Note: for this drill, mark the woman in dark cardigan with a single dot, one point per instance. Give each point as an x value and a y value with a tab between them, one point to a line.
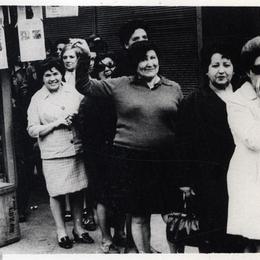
206	145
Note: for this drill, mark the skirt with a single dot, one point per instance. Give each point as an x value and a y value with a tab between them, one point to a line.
64	175
143	182
98	175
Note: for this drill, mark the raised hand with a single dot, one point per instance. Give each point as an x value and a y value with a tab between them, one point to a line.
81	44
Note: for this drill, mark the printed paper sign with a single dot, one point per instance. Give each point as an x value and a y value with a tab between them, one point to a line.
3	56
61	11
31	40
36	12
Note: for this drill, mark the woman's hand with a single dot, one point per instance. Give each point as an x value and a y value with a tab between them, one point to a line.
81	44
65	121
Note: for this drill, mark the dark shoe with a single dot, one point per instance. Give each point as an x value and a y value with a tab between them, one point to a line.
154	251
119	240
89	223
67	216
65	242
85	238
109	248
22	217
130	250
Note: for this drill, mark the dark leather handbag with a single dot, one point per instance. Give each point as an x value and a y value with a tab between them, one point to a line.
183	227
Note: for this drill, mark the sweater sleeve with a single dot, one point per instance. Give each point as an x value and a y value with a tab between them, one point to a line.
91	87
244	125
185	140
34	125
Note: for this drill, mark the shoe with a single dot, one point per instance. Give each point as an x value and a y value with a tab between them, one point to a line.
154	251
120	240
85	238
89	223
65	242
67	216
109	248
22	217
130	250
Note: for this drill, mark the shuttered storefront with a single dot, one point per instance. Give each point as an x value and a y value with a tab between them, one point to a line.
80	26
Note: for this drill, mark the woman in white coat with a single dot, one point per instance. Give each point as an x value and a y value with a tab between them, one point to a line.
244	169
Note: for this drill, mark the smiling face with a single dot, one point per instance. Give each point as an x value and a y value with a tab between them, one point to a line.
70	59
138	35
108	66
148	68
52	79
220	71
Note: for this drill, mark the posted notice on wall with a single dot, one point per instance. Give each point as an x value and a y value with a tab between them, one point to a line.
61	11
3	56
31	40
35	12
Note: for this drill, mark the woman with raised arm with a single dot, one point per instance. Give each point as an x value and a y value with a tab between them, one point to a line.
142	156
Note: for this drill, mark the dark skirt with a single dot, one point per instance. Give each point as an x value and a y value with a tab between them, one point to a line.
142	182
98	165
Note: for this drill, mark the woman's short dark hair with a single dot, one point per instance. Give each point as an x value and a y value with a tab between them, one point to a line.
96	44
228	51
48	64
61	40
250	51
137	52
129	28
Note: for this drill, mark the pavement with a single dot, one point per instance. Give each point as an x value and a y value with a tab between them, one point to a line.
38	235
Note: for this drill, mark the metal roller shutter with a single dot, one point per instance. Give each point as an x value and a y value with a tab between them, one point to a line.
74	27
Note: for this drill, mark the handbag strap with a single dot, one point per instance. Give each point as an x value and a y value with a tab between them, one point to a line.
184	202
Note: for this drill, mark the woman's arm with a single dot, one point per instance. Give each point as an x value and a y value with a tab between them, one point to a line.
35	128
84	85
244	125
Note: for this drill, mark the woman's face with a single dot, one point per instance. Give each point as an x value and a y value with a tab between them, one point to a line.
220	71
70	60
254	74
108	67
59	48
52	79
93	56
149	67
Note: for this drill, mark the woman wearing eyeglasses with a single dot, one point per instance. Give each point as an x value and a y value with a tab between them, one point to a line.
244	168
98	121
105	66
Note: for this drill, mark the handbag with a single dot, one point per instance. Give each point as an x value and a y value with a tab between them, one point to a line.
183	227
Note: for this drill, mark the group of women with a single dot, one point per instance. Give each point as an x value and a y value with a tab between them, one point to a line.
162	145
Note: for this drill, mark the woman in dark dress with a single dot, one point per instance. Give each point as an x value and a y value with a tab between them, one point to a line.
141	158
206	145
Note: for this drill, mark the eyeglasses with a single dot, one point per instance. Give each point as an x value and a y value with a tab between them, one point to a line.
101	66
256	69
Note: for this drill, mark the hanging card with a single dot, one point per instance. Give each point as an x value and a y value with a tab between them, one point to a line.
31	40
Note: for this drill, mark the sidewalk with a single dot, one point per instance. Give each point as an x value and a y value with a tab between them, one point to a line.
38	236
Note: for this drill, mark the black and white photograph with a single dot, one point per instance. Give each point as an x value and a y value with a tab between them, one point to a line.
130	129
